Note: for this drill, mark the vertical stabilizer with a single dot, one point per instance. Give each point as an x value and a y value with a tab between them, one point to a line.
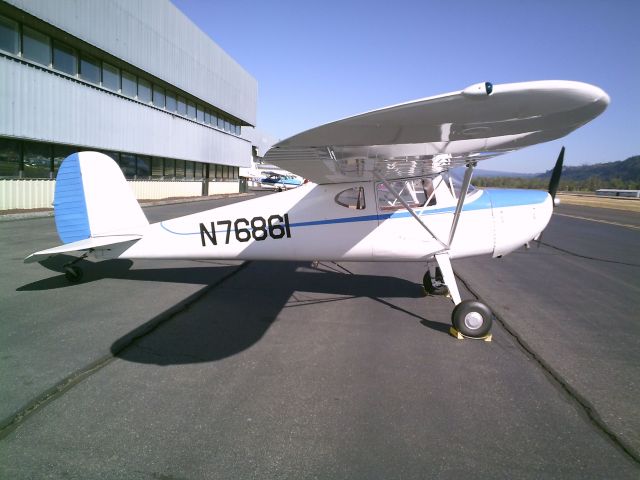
92	199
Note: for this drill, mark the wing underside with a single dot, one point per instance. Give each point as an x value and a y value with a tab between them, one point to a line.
432	135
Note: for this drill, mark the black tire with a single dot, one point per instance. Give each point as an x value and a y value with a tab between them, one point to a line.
472	318
73	273
430	288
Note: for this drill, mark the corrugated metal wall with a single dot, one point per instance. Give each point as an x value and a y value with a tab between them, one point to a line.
45	106
159	39
26	194
30	194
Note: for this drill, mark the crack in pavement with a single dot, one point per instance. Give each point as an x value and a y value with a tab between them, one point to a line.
556	378
10	423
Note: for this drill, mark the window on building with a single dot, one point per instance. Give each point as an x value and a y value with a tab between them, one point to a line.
191	109
182	106
9	37
220	122
207	116
110	77
169	168
60	152
37	160
157	168
64	58
226	125
128	165
158	96
200	113
171	101
198	171
129	84
9	158
218	173
180	169
115	156
90	69
143	166
144	90
214	119
189	170
36	46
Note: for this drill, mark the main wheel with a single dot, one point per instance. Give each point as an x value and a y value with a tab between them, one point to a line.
433	289
73	273
472	318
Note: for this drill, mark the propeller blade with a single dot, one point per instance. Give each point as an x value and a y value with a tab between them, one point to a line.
554	182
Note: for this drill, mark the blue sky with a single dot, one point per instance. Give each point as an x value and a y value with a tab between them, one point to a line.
318	61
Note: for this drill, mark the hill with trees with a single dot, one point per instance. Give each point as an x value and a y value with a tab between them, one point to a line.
624	174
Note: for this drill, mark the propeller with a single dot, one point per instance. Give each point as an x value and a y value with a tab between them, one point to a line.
554	182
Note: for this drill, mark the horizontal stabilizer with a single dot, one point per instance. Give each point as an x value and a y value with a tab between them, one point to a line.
82	245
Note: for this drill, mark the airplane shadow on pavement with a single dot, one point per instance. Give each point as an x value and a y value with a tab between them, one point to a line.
228	317
118	269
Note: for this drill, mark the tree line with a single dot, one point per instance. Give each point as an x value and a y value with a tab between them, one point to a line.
590	184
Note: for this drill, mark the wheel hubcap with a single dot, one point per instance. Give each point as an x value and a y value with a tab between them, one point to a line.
473	320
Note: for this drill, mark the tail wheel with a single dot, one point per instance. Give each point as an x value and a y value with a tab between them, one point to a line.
73	273
472	318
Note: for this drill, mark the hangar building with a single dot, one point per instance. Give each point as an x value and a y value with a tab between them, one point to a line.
134	79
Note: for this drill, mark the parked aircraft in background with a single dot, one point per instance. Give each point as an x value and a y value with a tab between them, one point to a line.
280	182
381	191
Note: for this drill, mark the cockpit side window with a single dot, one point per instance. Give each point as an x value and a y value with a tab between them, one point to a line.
352	198
416	192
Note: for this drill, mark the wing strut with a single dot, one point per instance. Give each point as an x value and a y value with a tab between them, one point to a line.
463	194
409	209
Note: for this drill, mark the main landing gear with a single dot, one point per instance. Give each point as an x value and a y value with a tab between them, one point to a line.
470	318
434	285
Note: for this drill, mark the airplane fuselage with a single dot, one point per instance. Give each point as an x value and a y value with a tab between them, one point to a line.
314	222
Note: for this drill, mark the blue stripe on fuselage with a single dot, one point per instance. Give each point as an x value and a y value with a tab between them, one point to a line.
514	198
487	199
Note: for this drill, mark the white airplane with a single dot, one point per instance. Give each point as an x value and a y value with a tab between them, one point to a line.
380	190
279	181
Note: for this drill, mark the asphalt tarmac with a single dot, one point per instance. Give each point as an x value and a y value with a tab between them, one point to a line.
185	370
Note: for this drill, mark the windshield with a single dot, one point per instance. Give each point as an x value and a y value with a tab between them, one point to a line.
453	180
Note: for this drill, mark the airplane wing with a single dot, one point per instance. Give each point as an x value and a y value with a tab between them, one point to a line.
428	136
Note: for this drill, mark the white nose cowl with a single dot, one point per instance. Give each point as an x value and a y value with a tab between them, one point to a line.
519	216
